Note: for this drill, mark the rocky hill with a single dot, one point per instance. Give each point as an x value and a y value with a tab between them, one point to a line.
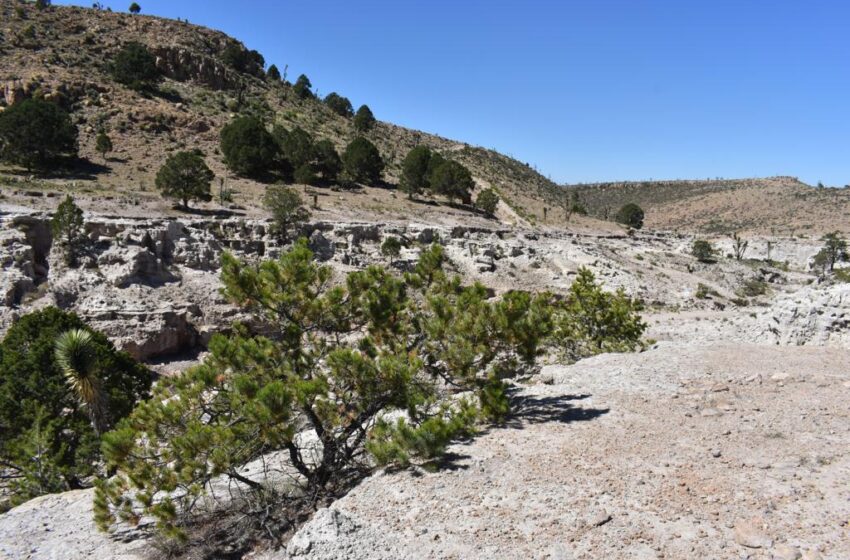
63	54
774	205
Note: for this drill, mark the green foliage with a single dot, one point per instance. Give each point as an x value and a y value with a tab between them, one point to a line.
36	133
67	226
414	171
303	87
739	246
249	149
703	251
287	209
103	144
630	215
305	175
364	120
273	73
328	162
135	8
391	248
487	201
185	176
362	161
47	441
242	60
452	180
752	287
343	360
593	320
834	250
705	292
135	67
339	105
296	146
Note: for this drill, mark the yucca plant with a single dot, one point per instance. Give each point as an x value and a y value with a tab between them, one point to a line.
76	357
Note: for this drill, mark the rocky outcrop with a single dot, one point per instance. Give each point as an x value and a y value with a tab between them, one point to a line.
183	65
818	314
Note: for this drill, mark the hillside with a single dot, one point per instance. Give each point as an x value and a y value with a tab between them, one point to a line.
63	53
775	205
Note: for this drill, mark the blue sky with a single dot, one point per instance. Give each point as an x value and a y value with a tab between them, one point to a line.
586	90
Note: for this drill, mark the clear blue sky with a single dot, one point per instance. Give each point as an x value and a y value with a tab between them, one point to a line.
585	90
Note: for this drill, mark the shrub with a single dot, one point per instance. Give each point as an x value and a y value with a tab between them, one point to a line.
67	226
343	357
185	176
302	87
452	180
364	120
703	250
47	440
414	171
36	133
328	162
739	246
242	60
752	287
591	320
135	8
362	162
135	67
249	150
630	215
487	201
287	209
339	105
103	144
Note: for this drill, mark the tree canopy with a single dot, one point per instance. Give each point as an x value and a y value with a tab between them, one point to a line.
339	105
362	161
249	149
47	440
487	201
135	67
185	176
414	171
630	215
36	133
452	180
303	87
364	120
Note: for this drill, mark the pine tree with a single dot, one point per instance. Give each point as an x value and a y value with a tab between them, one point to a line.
414	171
249	149
487	201
68	228
103	144
452	180
36	134
364	120
273	73
302	87
287	210
362	162
185	176
135	67
135	8
328	162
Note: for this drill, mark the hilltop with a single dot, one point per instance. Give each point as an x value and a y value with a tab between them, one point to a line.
63	54
773	205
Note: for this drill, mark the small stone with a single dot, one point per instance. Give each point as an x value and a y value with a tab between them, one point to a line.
786	552
750	534
599	519
715	453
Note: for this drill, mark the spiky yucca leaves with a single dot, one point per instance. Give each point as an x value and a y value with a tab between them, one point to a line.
76	357
342	358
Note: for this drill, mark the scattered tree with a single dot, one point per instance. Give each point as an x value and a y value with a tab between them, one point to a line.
703	250
297	147
391	248
339	105
362	161
364	120
135	67
630	215
834	250
47	440
414	171
273	73
103	144
185	176
739	246
305	175
68	229
135	8
249	149
302	87
36	133
287	210
242	60
487	201
452	180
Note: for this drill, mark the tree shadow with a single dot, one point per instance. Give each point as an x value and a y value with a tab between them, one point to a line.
217	213
528	409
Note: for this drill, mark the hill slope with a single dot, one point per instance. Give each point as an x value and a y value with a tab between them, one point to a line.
62	53
775	205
